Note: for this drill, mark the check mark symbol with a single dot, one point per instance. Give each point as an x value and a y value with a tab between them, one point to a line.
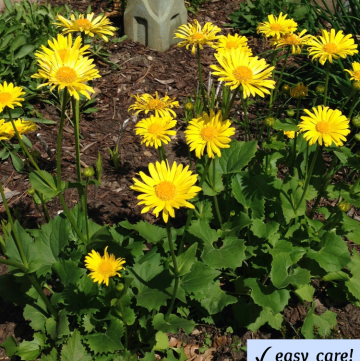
263	355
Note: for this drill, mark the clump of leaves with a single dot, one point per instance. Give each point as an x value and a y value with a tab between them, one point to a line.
250	13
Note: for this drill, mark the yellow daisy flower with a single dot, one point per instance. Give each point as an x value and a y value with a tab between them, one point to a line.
155	131
325	125
209	131
296	41
72	73
239	68
194	35
289	133
102	268
226	43
277	26
331	46
10	95
166	188
62	44
161	106
100	26
23	126
355	72
299	91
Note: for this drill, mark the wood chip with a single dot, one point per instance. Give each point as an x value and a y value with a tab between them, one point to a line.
165	81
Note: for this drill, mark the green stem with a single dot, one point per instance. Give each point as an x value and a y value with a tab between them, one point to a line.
295	138
41	293
190	159
324	186
190	211
354	101
86	210
326	82
14	264
16	236
59	140
163	152
282	72
159	154
201	80
38	209
176	271
215	196
228	109
46	212
355	185
125	324
307	181
267	151
22	145
273	57
247	129
347	100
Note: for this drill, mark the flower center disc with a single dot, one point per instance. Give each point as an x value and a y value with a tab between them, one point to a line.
231	45
291	40
276	27
105	268
330	48
62	53
5	97
208	133
83	23
155	104
198	36
242	73
66	75
323	127
165	191
154	128
357	75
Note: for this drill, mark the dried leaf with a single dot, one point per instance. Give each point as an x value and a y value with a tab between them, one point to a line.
191	351
174	342
165	81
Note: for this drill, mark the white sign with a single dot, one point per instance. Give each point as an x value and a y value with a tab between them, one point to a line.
303	350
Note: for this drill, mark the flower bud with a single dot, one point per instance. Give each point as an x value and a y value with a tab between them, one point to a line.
357	137
286	88
344	206
89	172
120	286
31	191
232	213
189	106
301	183
356	121
356	85
320	89
290	113
269	121
357	154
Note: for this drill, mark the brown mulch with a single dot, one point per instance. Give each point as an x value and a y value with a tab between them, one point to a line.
142	70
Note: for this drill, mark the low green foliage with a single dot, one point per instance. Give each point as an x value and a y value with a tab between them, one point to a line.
251	13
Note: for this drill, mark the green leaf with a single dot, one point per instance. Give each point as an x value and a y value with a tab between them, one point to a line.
333	255
353	284
58	328
186	260
202	230
68	271
25	50
10	345
285	125
268	296
44	183
152	233
74	349
17	162
161	342
50	240
235	158
108	341
149	356
306	292
172	324
264	230
30	350
37	316
8	5
267	316
52	356
18	41
248	194
215	299
233	227
199	277
151	281
203	210
290	197
324	323
230	255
